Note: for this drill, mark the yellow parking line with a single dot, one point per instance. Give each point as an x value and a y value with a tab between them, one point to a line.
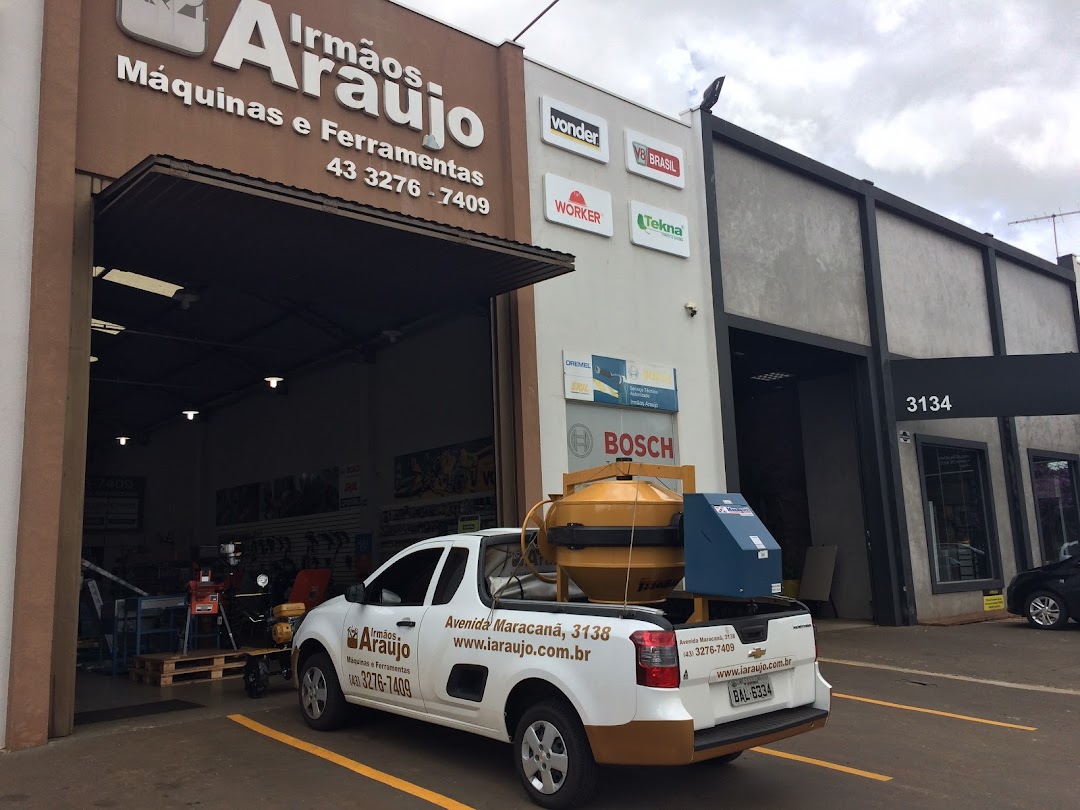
832	766
934	711
351	765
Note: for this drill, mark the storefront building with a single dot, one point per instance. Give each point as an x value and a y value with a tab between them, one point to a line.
325	282
273	299
822	285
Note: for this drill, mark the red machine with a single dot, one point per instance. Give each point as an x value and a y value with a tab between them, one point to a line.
204	599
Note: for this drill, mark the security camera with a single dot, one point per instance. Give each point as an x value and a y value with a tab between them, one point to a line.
691	308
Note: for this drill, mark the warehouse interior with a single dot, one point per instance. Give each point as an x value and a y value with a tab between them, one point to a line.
313	388
799	463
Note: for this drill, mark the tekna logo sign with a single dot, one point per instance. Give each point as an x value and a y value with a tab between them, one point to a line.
577	205
658	229
253	37
575	130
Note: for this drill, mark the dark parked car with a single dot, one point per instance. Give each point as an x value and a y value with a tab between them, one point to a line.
1047	596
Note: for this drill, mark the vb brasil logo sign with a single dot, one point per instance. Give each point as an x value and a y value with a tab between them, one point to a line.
655	159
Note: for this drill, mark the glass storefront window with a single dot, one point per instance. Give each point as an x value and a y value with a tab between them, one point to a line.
961	533
1053	482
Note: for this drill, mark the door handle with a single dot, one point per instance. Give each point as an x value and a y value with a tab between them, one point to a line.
406	623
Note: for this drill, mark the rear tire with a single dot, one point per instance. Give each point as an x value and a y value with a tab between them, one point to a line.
552	756
1046	610
321	702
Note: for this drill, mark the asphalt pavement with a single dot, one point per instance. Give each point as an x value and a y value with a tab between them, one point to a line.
929	717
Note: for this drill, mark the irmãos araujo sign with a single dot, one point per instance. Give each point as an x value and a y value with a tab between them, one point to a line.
352	99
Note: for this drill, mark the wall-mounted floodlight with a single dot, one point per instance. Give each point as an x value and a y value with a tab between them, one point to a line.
275	381
190	415
123	440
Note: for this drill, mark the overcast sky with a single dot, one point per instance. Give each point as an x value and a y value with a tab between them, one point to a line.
970	108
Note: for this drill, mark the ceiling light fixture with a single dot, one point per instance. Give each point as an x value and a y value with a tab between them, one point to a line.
108	328
274	381
190	415
123	440
772	376
140	282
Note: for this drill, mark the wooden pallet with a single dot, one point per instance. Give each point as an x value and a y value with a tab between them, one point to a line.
166	669
173	669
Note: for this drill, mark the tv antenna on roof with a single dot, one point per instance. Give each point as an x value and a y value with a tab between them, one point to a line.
1053	219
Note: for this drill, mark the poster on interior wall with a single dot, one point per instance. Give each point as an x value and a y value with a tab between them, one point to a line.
113	503
614	381
297	495
457	469
599	435
403	524
351	486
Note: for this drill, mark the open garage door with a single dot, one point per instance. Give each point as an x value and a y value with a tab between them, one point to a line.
311	378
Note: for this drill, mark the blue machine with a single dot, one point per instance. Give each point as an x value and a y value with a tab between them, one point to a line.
729	552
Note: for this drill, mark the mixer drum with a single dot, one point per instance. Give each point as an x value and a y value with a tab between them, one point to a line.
589	535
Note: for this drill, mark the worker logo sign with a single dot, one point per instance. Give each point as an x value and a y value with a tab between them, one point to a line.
577	205
177	25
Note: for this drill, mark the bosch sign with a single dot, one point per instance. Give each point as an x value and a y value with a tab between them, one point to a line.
639	446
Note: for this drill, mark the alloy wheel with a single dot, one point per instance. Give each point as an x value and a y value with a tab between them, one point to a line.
544	757
1045	611
314	692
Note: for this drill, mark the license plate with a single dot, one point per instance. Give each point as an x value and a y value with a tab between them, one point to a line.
749	690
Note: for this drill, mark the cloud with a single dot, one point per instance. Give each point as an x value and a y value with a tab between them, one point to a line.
960	107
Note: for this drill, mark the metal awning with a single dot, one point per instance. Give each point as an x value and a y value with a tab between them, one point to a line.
204	223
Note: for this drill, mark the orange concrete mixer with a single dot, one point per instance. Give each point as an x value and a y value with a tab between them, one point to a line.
617	536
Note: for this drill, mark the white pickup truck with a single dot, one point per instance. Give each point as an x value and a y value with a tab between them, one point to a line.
455	632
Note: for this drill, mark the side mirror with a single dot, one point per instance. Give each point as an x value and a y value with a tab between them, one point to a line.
355	593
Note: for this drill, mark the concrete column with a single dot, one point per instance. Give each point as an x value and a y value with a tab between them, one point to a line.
20	79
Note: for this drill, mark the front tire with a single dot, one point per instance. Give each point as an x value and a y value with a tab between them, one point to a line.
1046	611
553	758
321	701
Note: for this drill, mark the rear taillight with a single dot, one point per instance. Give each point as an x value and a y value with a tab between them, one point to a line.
657	658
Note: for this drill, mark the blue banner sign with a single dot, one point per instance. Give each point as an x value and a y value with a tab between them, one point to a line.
613	381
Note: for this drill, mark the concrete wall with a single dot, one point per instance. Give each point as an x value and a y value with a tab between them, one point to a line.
927	604
791	249
935	292
1037	311
1056	434
20	78
834	488
1038	315
623	300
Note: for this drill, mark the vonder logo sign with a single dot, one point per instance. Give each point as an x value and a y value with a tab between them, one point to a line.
578	131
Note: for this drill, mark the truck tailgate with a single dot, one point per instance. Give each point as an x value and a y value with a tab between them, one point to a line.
738	668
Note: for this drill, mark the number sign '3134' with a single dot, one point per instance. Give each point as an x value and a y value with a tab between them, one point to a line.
928	404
